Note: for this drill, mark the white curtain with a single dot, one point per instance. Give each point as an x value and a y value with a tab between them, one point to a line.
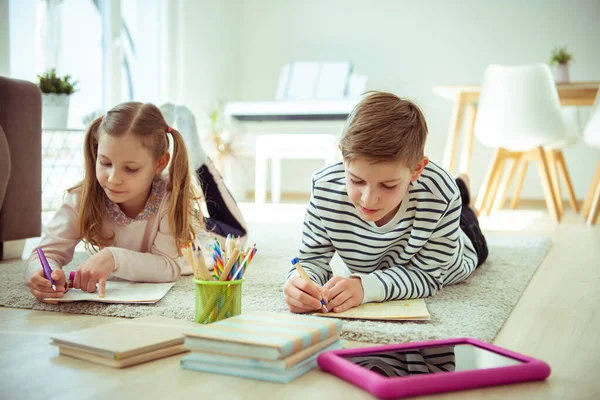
49	35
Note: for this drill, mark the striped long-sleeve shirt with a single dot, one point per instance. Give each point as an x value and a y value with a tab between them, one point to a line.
418	252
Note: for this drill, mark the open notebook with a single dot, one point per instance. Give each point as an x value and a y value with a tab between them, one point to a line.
121	292
407	310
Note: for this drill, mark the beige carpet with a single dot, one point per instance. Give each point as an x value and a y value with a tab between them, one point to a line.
477	308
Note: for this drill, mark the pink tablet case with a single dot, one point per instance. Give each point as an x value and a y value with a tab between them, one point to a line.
399	387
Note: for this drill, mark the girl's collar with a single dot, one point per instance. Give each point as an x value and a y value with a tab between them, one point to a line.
115	213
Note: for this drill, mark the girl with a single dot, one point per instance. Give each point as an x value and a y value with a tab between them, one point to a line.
134	217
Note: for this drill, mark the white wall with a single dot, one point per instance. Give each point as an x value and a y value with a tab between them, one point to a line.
208	43
4	39
405	47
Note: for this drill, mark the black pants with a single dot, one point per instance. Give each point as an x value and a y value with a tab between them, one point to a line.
220	220
470	225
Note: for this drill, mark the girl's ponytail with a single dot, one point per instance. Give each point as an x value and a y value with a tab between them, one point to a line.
185	217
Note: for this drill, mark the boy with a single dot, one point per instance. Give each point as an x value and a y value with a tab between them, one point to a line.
400	223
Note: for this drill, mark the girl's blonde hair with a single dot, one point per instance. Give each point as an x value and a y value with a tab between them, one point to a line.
383	127
146	122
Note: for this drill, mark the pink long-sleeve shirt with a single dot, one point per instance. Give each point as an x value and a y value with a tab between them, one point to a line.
144	249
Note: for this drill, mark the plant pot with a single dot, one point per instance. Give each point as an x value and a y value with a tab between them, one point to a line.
55	110
561	73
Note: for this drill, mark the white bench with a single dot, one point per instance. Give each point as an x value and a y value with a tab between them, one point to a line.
278	146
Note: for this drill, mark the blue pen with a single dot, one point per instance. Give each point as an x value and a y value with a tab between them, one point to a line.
46	267
304	275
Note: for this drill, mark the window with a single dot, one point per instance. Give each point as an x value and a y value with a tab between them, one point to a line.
80	55
71	36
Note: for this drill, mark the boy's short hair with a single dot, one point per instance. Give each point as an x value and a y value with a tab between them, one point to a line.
383	127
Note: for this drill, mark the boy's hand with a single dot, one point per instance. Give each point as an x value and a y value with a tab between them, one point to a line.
301	296
95	270
41	287
344	293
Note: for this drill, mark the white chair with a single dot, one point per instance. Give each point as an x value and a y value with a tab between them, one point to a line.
518	114
280	146
591	204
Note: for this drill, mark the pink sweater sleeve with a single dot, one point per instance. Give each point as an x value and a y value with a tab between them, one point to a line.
160	264
59	240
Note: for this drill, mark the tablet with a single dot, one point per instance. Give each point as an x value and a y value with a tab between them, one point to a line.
412	369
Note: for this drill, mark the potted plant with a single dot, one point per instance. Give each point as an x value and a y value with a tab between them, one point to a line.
560	61
56	92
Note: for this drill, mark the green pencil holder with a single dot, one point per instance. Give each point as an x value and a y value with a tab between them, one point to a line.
217	300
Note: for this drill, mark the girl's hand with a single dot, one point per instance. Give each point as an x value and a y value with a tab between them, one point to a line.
301	296
41	287
95	270
344	293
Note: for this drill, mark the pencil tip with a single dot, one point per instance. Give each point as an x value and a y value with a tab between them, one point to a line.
294	260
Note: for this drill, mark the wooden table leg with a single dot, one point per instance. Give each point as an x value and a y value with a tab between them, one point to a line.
465	156
454	133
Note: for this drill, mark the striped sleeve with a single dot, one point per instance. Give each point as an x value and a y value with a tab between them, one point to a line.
440	261
445	257
316	249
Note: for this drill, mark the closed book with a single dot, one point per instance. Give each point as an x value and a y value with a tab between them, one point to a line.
262	335
252	372
124	362
333	343
126	339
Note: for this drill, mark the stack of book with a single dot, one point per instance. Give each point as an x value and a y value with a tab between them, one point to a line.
261	345
127	342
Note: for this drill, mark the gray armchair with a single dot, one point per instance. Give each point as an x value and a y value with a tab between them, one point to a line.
20	161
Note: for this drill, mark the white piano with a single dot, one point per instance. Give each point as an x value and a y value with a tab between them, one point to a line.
290	110
312	102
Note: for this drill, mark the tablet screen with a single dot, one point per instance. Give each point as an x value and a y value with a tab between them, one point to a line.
429	360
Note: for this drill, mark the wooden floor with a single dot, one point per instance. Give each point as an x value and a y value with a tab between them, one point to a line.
556	320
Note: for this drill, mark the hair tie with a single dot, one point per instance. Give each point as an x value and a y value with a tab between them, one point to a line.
169	129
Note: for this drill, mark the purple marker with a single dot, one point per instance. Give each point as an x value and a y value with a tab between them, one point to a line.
46	267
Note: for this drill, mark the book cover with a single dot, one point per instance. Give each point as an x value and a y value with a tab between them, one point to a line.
333	343
126	338
264	374
263	335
